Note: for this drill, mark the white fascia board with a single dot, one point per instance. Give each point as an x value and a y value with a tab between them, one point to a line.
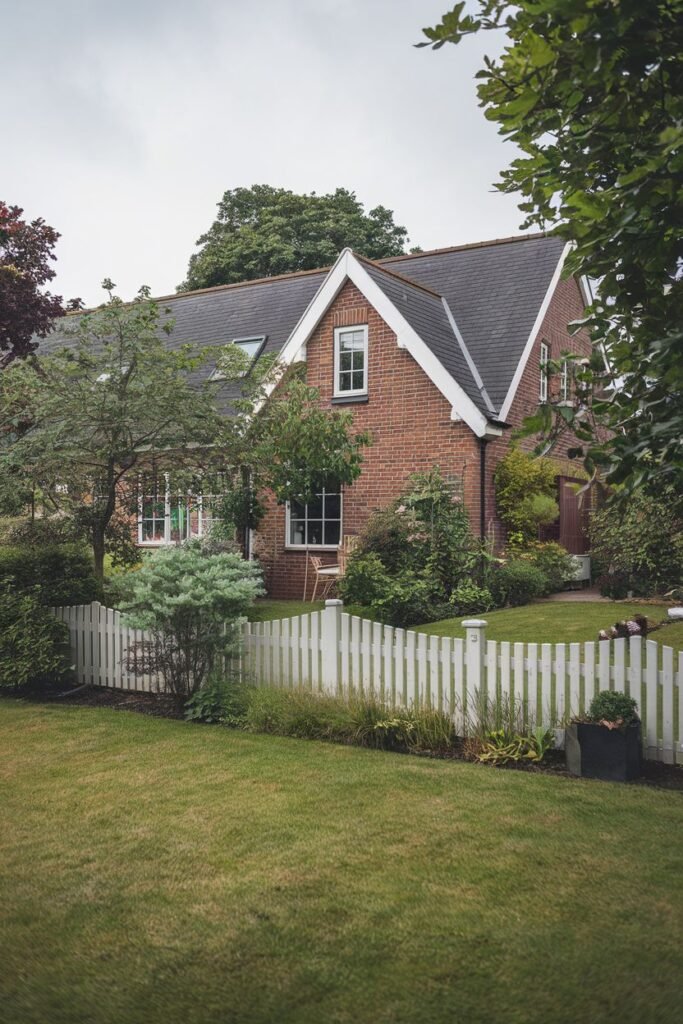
521	366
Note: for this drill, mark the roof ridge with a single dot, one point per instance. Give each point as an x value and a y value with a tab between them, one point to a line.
466	245
399	277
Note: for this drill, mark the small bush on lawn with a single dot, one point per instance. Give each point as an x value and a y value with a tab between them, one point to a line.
220	701
63	573
193	604
469	598
517	583
364	721
614	707
33	644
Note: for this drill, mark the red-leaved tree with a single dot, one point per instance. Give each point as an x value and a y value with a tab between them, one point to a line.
26	310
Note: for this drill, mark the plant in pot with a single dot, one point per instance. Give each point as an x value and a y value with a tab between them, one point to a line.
605	743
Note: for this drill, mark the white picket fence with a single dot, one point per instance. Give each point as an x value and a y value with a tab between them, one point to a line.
331	651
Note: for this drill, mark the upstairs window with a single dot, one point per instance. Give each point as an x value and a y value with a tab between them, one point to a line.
350	361
317	523
543	380
251	348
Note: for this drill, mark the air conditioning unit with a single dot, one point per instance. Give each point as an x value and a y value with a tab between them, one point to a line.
583	568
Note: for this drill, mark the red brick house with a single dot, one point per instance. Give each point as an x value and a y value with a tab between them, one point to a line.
437	354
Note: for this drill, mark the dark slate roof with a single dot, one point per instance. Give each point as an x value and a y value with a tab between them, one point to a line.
494	292
425	312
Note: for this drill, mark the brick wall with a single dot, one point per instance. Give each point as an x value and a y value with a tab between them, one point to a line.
410	423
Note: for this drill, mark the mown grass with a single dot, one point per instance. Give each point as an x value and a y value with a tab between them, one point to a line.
561	622
158	872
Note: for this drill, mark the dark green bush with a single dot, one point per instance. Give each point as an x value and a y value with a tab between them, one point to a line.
554	561
469	598
612	706
221	701
33	644
62	572
518	583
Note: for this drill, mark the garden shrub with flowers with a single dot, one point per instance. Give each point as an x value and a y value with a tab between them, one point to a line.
417	559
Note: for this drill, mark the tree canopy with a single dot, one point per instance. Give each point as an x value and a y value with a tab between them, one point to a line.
26	256
592	94
263	231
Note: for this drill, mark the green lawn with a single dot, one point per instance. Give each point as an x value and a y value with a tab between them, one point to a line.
155	872
561	622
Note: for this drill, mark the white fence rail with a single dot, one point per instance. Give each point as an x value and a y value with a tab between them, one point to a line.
334	652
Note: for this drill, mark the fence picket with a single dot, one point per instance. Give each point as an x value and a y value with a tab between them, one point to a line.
387	691
421	691
411	676
560	681
316	634
668	705
400	690
652	678
547	683
604	652
531	698
345	651
620	665
460	699
574	679
376	677
518	678
588	675
492	671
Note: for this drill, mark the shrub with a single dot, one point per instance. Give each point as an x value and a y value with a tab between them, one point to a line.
639	542
33	644
526	492
518	583
63	573
220	700
554	561
413	555
612	706
192	604
469	598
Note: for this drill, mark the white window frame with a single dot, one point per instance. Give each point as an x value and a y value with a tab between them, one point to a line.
315	547
543	379
168	505
338	332
564	381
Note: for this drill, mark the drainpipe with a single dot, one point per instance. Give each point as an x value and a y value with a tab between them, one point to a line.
482	487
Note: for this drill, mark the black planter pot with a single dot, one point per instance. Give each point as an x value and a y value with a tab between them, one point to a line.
596	752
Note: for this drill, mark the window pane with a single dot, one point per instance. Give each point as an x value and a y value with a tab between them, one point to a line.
315	507
351	340
250	348
332	506
297	510
297	531
332	532
345	382
315	531
357	380
345	360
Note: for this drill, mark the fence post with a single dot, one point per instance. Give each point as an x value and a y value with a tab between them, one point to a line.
331	633
475	654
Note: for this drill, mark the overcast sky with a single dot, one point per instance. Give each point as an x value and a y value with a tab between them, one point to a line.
128	120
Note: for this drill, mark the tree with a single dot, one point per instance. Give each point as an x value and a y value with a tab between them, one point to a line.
262	231
26	312
78	426
592	94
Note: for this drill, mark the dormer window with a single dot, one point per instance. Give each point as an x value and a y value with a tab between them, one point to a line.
350	361
251	347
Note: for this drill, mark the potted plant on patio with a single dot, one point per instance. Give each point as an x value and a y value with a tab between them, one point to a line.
605	743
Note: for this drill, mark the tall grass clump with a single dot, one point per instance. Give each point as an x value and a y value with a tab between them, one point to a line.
362	721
